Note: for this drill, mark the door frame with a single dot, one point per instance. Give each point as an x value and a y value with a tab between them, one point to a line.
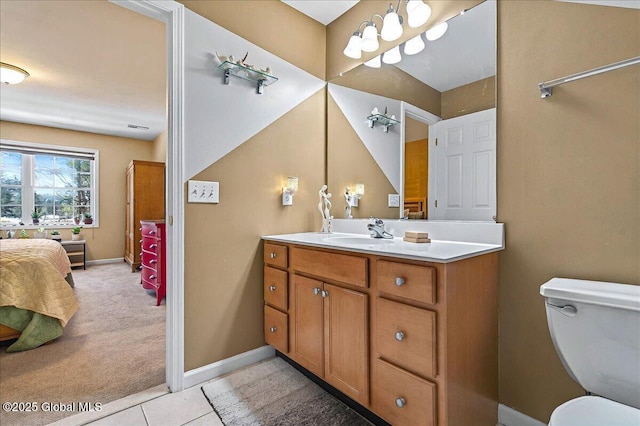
173	15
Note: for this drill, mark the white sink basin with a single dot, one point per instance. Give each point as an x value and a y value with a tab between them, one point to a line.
364	240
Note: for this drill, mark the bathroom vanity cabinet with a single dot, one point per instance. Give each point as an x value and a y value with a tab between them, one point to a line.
413	341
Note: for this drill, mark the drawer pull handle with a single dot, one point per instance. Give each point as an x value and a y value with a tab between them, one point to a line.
153	246
325	293
152	277
272	288
140	229
399	281
140	241
153	261
152	232
316	291
400	336
400	402
273	255
273	329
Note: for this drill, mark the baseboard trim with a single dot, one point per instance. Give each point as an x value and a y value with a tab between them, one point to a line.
227	365
105	261
509	417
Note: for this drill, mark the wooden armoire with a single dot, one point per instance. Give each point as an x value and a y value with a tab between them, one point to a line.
145	201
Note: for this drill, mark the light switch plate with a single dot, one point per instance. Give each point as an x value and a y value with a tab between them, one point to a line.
201	191
394	200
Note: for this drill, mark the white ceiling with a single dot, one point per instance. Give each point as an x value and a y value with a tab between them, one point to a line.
94	66
323	11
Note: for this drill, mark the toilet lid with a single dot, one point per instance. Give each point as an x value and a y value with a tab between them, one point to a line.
594	411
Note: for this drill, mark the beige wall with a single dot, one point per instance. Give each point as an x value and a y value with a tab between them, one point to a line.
349	163
568	177
160	147
272	25
223	250
470	98
107	241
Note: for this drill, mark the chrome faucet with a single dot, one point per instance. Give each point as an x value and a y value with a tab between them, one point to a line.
377	229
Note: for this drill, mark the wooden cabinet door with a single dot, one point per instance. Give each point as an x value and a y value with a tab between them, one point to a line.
306	306
346	342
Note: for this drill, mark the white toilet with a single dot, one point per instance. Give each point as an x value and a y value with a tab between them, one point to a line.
595	327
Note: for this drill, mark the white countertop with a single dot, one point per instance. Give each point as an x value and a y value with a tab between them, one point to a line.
441	251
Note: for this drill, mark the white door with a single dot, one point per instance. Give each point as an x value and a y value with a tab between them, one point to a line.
463	167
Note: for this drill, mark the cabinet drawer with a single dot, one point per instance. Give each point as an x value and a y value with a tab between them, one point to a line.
332	266
276	255
275	288
402	398
150	244
149	259
149	276
276	329
406	336
409	281
148	230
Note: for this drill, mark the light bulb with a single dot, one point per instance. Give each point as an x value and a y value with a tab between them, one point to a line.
374	63
392	56
413	46
418	12
353	49
370	38
391	26
437	31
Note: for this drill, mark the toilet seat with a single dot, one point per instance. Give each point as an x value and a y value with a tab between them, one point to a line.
594	411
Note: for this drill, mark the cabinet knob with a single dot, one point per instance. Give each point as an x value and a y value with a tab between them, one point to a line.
153	261
399	281
273	255
400	402
273	329
316	290
140	229
152	232
272	288
140	241
153	246
325	293
152	277
400	336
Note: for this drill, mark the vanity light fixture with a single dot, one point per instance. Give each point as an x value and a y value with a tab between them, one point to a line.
392	25
436	32
392	56
413	46
374	63
288	190
10	74
418	13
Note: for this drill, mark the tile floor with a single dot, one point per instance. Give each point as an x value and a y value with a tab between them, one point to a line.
153	407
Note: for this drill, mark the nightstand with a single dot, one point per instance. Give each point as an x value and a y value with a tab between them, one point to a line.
76	252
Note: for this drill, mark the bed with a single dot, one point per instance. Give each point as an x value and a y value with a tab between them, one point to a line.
36	292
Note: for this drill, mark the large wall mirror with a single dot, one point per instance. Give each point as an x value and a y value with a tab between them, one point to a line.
445	93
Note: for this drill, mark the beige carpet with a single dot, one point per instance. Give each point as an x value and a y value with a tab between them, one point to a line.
113	347
275	393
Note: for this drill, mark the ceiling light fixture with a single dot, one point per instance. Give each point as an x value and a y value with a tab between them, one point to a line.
10	74
413	46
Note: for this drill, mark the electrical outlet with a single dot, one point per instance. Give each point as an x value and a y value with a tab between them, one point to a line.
201	191
394	200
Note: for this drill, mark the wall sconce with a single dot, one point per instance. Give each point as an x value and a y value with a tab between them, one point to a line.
288	190
10	74
352	198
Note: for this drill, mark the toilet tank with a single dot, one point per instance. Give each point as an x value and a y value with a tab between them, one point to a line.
595	327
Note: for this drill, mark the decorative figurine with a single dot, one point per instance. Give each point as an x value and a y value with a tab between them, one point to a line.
324	206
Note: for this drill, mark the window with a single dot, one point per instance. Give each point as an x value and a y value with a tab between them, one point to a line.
59	183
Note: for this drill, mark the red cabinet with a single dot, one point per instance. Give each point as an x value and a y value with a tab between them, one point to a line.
153	257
